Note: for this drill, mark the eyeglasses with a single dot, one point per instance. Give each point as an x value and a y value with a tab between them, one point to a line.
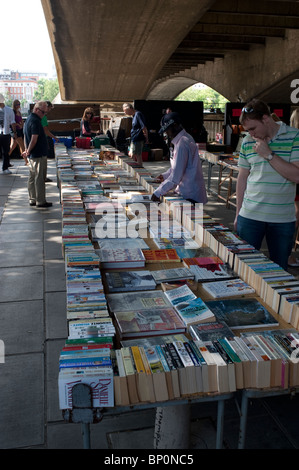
247	110
42	111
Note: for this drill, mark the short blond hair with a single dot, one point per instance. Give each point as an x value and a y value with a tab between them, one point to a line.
294	121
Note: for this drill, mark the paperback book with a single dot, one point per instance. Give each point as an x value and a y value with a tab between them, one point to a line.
190	308
157	256
92	328
121	258
129	301
100	380
202	261
242	313
152	322
122	281
229	288
211	331
174	274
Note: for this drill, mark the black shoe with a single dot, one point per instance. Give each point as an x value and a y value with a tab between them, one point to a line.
10	164
32	203
46	204
48	180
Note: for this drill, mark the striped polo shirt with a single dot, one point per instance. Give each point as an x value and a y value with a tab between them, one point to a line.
269	197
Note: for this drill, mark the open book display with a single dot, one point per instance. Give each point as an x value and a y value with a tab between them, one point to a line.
141	341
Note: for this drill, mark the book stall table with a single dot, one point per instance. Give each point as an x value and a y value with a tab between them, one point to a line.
212	160
83	413
227	175
174	389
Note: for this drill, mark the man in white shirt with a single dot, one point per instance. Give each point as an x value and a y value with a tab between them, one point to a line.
7	120
185	173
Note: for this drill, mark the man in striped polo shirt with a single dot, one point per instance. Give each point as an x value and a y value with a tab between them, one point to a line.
266	185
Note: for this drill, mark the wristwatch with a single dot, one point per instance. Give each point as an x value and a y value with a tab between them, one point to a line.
270	156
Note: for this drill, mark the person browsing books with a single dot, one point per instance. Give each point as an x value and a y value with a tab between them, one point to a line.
85	124
185	173
7	121
18	139
139	132
266	184
36	149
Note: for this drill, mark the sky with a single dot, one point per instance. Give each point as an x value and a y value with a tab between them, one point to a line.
27	45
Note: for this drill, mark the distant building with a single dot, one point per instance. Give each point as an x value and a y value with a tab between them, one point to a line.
20	86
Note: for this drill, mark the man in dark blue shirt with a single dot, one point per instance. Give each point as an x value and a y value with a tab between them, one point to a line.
139	133
36	151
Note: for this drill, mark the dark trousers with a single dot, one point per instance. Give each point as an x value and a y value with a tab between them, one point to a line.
4	150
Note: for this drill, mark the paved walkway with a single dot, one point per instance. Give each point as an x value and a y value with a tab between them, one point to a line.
33	329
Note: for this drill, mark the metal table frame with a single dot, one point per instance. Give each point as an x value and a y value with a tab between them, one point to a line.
84	414
248	394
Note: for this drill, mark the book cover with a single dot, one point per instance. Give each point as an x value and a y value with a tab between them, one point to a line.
202	261
164	255
195	312
130	301
242	313
121	281
92	328
211	272
151	322
108	243
174	274
121	258
229	288
100	380
211	331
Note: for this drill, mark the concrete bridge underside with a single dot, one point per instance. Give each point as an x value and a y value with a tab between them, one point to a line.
121	50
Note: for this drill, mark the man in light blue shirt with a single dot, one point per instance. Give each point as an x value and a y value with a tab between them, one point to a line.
7	121
185	173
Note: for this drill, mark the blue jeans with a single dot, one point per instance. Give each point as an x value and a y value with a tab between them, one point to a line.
279	237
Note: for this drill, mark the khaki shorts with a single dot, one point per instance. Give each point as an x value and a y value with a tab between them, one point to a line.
136	148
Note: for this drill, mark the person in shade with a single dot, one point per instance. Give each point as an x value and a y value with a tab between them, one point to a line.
185	173
7	121
36	150
139	133
85	124
18	140
266	184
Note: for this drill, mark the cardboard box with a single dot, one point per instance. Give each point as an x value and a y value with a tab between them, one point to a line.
157	154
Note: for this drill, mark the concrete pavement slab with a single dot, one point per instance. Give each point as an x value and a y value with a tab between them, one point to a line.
21	283
22	326
22	401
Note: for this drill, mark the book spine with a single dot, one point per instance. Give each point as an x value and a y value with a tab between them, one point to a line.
162	358
192	355
197	352
168	357
174	355
227	347
120	363
221	350
183	354
137	359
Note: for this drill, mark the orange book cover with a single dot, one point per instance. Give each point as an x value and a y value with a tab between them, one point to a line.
167	254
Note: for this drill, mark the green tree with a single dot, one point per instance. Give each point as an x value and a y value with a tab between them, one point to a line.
47	90
211	98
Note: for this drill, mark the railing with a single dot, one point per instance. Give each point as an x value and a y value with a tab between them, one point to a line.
214	124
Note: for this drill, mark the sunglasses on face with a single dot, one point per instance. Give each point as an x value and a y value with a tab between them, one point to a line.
247	110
